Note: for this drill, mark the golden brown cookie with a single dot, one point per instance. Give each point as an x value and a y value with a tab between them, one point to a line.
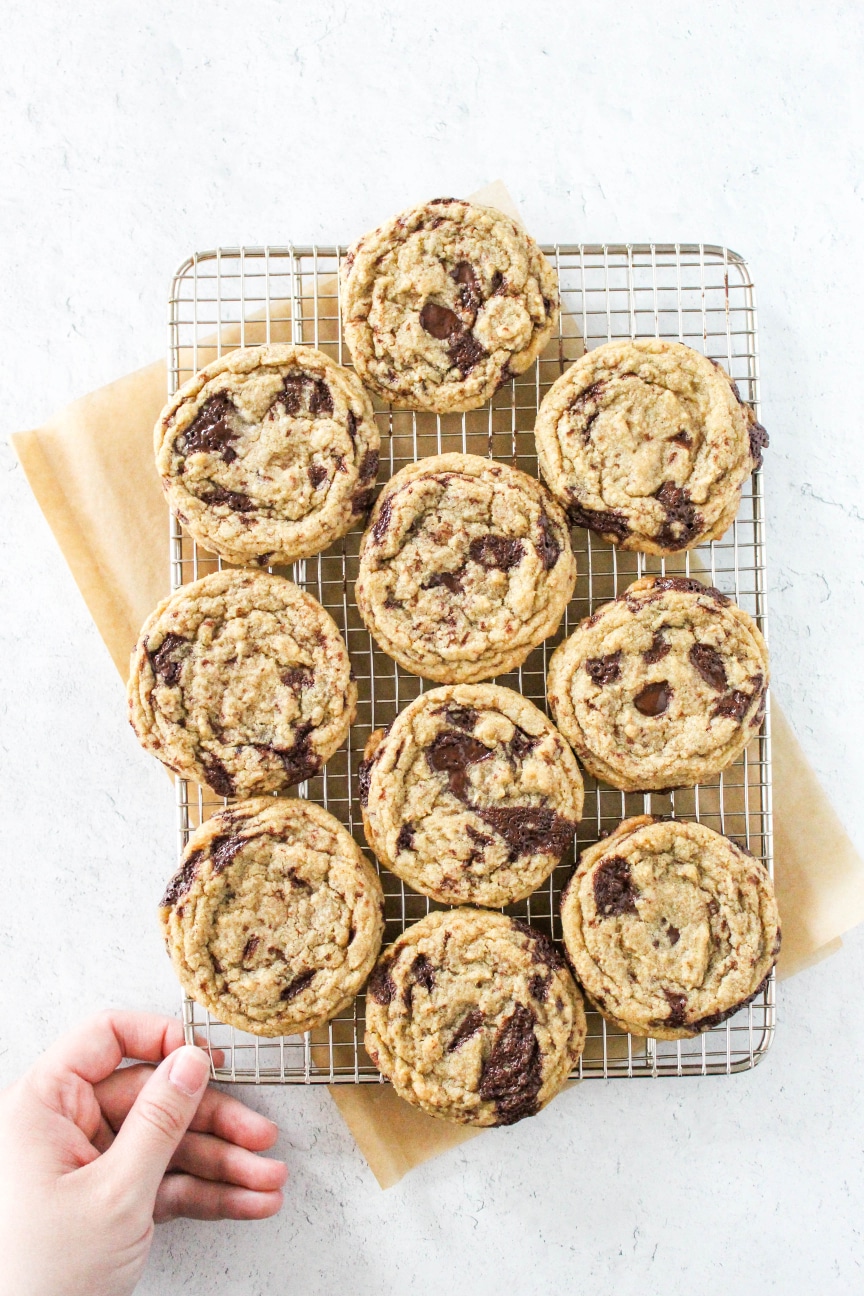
274	918
670	927
648	443
474	1017
465	567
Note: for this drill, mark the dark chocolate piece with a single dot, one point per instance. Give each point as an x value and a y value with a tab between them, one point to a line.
234	500
222	851
682	523
513	1072
709	663
495	551
654	698
369	466
469	288
405	840
677	1008
293	988
733	704
210	432
181	883
451	580
250	947
758	442
298	677
317	474
469	1025
603	670
528	830
548	546
438	321
217	776
658	650
614	892
604	522
466	352
381	985
165	660
382	522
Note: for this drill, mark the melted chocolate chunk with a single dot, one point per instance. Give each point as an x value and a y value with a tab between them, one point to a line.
733	704
542	949
709	663
614	892
513	1072
479	839
690	586
181	883
438	321
293	988
603	670
234	500
658	650
165	660
210	432
530	830
654	698
579	405
452	753
405	840
466	352
538	986
682	438
381	985
674	934
362	501
299	760
298	677
352	428
682	523
250	947
494	551
758	442
461	717
382	522
469	288
522	744
498	284
605	523
222	851
217	776
450	580
317	474
320	397
423	973
677	1008
368	466
364	773
469	1025
548	546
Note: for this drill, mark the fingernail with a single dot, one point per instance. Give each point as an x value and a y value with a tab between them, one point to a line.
189	1070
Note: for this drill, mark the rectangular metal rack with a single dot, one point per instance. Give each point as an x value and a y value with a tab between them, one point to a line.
695	293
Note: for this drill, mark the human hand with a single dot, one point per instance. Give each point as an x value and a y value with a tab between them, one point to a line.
91	1156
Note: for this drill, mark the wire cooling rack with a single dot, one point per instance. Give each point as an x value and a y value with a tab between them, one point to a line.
694	293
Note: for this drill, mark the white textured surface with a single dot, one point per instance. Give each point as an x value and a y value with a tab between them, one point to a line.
134	133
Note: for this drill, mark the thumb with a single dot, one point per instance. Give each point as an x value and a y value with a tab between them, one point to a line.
158	1119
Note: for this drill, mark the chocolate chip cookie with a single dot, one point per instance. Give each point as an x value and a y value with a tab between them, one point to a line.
465	567
444	303
269	454
670	927
241	681
662	688
471	796
648	443
274	918
474	1017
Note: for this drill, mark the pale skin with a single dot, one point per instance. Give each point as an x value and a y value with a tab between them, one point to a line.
92	1157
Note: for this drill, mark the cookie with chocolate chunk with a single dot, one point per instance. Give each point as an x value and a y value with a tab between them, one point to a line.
444	303
670	927
465	567
471	796
241	681
274	919
648	443
269	454
662	688
474	1017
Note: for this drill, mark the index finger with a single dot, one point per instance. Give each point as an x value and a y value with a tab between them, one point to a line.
97	1047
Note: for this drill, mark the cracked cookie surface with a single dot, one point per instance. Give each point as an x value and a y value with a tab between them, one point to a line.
444	303
648	443
471	796
670	927
465	567
662	688
474	1017
241	681
269	454
274	918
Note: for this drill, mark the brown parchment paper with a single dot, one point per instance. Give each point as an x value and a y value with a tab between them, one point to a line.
90	468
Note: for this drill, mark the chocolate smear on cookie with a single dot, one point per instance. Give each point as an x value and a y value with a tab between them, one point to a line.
513	1072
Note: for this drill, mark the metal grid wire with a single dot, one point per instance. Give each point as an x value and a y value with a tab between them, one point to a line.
694	293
